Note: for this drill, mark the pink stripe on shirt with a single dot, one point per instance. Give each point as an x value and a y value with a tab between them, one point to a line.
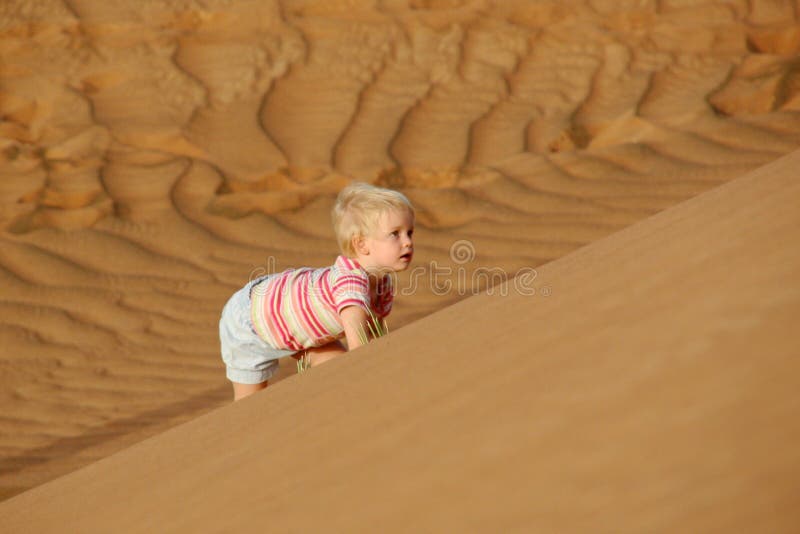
304	305
351	283
311	300
283	327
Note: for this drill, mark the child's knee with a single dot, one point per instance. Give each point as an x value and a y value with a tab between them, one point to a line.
332	347
241	391
324	353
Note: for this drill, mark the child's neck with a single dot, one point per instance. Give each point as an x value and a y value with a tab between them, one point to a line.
374	276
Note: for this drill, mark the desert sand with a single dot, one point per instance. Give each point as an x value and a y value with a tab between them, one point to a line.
156	155
658	394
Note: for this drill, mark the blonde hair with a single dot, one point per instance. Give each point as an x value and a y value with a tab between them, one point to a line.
358	210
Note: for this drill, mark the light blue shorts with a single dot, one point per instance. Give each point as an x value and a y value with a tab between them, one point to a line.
248	358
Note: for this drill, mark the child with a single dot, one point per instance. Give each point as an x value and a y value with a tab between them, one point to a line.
287	313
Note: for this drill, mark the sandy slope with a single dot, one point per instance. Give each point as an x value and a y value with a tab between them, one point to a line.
154	155
655	389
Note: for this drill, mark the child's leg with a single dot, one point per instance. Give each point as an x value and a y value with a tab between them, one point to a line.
249	360
319	355
241	391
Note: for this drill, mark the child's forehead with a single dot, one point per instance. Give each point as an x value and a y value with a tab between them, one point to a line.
394	216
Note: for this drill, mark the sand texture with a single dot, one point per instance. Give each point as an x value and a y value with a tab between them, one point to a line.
656	394
155	155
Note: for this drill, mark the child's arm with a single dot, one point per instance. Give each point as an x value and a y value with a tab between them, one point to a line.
354	320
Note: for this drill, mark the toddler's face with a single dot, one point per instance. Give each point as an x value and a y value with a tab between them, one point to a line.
390	243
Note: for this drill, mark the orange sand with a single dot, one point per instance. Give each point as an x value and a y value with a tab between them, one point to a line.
654	390
155	155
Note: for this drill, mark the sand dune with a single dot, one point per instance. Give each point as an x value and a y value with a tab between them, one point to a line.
154	155
654	389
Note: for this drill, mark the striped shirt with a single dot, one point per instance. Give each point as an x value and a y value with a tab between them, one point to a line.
299	308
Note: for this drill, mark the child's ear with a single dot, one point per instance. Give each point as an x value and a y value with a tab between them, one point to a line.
360	245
